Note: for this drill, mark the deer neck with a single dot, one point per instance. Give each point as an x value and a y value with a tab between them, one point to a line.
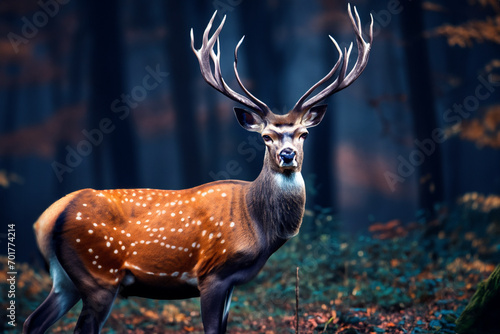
276	202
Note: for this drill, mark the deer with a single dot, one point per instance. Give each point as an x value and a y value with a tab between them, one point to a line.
197	242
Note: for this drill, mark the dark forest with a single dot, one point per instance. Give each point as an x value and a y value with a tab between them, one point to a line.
402	217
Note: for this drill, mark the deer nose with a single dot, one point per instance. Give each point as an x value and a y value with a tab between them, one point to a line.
287	155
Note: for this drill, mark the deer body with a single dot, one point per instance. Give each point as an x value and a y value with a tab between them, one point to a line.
185	243
173	240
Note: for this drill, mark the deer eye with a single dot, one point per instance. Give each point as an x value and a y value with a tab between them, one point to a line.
304	136
267	138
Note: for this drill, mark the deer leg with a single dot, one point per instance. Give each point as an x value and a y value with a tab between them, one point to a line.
97	296
227	305
96	308
61	299
215	300
51	310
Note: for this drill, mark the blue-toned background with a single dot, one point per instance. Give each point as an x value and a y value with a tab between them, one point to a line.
418	130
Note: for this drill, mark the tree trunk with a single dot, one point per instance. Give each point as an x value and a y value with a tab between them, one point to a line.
428	162
182	75
117	149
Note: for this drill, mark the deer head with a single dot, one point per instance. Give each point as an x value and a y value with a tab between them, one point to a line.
283	135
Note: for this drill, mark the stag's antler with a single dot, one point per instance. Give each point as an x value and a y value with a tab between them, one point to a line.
342	80
215	79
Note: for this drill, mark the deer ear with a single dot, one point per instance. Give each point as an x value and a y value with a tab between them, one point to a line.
249	120
314	116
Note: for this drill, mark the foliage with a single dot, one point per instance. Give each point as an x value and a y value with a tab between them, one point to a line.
400	279
479	31
483	131
389	282
8	178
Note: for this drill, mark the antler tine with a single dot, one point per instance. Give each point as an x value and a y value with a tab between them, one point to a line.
363	49
215	79
203	58
258	102
298	105
342	80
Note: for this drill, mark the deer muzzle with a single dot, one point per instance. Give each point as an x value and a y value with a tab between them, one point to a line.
287	158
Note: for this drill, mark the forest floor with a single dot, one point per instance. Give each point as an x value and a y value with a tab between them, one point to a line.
412	279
